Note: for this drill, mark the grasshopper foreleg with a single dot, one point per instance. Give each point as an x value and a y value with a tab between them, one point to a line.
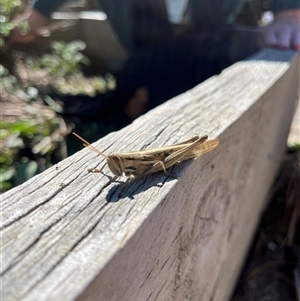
97	170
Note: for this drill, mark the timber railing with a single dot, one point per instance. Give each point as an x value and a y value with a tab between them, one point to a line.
68	235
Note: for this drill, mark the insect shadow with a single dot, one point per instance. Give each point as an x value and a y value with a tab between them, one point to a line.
130	190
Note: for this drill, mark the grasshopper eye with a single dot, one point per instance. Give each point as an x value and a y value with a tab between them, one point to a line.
115	164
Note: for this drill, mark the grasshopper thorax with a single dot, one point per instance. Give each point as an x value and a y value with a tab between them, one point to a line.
115	164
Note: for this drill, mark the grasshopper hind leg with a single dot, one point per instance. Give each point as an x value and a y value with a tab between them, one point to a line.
159	165
164	170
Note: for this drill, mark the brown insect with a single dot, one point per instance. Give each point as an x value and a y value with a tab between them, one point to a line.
142	163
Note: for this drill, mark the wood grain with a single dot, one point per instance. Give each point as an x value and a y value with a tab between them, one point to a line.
66	235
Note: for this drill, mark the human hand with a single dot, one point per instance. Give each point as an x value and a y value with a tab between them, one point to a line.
136	106
284	31
35	21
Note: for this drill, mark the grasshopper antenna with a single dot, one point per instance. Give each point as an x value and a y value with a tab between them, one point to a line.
87	144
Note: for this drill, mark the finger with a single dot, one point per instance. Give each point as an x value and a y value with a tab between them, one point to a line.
269	37
260	41
284	37
296	40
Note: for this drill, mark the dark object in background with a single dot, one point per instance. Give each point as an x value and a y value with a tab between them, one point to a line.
164	70
174	67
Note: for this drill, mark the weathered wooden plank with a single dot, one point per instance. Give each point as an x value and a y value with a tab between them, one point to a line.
294	135
66	235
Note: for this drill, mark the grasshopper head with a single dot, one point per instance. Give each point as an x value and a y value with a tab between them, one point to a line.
115	164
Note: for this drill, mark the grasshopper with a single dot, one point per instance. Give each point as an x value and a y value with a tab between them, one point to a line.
142	163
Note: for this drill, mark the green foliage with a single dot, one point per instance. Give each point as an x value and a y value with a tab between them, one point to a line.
8	6
8	10
63	61
79	84
17	165
295	147
8	82
27	143
63	65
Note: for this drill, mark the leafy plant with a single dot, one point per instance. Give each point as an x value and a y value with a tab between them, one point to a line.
64	59
8	10
18	161
63	66
8	82
295	147
33	139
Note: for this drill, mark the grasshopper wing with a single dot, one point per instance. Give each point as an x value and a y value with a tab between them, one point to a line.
201	149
